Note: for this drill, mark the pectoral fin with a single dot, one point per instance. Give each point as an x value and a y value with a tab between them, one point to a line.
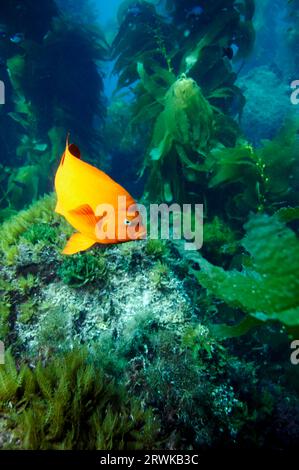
85	217
77	242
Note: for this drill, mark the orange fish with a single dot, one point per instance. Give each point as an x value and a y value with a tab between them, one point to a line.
96	206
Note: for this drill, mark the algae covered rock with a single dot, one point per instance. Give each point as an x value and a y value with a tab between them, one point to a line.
90	296
115	322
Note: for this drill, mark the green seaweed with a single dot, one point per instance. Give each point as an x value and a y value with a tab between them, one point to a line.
27	283
183	128
267	287
33	19
71	404
82	269
260	178
41	211
288	214
183	87
41	232
27	311
53	330
218	238
198	339
79	49
160	275
156	249
5	309
34	124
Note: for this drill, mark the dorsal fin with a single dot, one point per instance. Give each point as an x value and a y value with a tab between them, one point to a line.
66	147
62	159
74	150
71	149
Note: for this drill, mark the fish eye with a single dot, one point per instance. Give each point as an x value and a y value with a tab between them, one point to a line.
127	222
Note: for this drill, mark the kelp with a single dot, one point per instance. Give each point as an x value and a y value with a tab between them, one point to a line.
216	33
73	83
32	20
267	287
264	178
144	36
4	316
288	214
157	57
23	185
171	43
185	121
53	85
184	127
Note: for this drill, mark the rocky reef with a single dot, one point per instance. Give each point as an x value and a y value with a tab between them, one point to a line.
267	103
132	319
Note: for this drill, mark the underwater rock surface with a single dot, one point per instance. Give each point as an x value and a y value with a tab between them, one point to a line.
267	103
132	310
111	306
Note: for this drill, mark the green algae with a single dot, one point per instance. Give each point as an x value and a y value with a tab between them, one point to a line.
82	269
41	232
39	212
72	404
